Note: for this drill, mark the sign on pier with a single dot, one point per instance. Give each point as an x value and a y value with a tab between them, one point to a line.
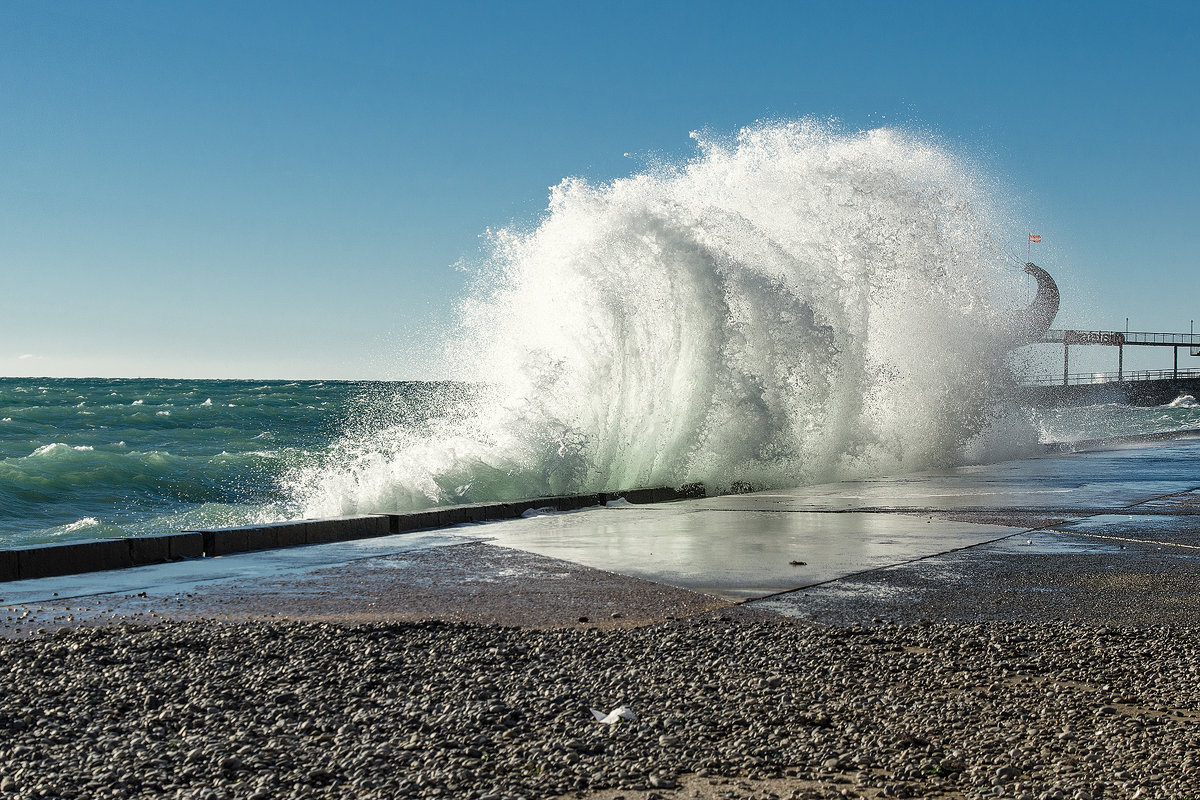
1113	338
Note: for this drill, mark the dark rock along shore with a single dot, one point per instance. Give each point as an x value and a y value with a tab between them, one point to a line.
277	709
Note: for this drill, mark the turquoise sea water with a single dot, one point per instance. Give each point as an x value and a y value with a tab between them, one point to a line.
88	458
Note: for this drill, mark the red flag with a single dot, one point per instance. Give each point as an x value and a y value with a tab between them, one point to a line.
1035	237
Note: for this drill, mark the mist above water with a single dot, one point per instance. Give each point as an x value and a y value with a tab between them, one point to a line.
793	304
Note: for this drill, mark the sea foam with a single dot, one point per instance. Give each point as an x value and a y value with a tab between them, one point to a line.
793	304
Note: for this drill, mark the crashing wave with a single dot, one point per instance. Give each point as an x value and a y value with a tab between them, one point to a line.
791	305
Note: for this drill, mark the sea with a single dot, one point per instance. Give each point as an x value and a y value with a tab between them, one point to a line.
86	458
795	304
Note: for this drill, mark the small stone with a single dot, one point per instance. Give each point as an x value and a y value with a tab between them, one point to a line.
1008	773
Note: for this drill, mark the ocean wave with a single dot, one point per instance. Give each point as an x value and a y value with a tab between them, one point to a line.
59	450
792	305
1107	420
83	529
99	478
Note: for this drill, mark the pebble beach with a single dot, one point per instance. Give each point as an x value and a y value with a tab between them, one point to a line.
729	704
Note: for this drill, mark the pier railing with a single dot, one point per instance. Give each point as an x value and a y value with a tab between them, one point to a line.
1189	342
1113	377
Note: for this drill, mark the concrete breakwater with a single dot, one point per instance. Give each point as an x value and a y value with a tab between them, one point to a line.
105	554
1130	392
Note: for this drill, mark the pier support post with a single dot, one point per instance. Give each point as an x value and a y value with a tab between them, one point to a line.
1066	362
1175	367
1120	362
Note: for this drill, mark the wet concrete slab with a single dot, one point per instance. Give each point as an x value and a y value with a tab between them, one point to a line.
1080	483
449	581
192	575
753	545
1157	528
1112	537
1035	576
734	555
1183	503
957	492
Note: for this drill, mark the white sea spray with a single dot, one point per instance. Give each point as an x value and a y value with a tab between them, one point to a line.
794	304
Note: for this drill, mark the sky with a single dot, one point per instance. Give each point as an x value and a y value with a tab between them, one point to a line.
284	189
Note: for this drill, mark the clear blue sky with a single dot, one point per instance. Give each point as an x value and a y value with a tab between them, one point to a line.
281	189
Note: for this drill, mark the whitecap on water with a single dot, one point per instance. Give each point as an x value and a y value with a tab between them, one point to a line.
60	447
86	522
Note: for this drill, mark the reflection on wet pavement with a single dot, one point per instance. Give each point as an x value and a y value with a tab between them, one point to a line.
765	543
739	554
1126	549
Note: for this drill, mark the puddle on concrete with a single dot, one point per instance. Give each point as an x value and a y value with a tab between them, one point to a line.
1149	528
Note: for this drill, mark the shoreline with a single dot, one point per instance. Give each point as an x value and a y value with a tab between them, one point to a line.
73	558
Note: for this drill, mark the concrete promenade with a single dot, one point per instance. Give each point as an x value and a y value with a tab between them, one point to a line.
1108	535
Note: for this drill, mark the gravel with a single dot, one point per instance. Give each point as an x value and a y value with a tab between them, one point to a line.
317	710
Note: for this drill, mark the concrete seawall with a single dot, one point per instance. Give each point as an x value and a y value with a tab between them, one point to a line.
1137	393
105	554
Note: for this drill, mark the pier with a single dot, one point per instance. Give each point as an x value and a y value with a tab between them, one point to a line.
1137	387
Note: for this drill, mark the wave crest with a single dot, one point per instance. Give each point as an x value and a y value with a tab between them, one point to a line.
791	305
